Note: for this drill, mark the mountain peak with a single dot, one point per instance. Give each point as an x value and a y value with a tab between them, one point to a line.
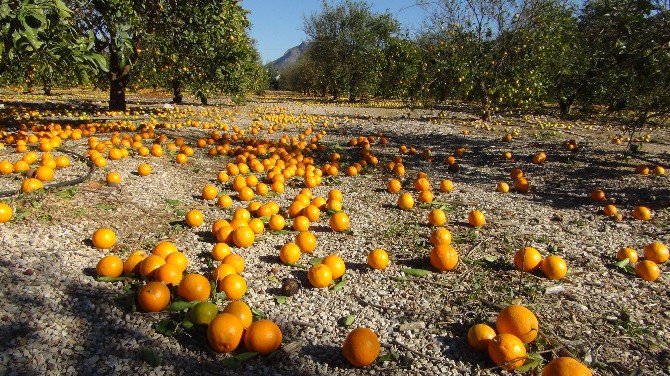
290	56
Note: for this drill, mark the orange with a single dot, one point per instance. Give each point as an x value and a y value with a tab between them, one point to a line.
6	167
164	248
627	253
647	270
554	267
476	219
443	257
44	173
222	177
110	266
153	297
194	218
306	241
5	212
113	178
256	225
565	366
222	271
598	195
225	235
437	217
516	173
224	332
405	201
656	252
339	222
225	202
194	287
203	313
241	310
30	184
218	224
507	351
378	259
311	212
246	194
527	259
394	186
446	186
168	274
143	169
209	192
177	259
276	222
301	223
361	347
243	237
521	185
519	321
236	261
440	236
290	253
336	265
242	214
103	238
132	263
426	197
335	195
479	336
220	251
263	336
234	285
502	187
181	158
610	210
421	184
149	266
320	275
642	213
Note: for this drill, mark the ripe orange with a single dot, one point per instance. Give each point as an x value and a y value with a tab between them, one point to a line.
361	347
133	262
440	236
378	259
642	213
336	265
507	351
203	313
437	217
426	197
444	257
209	192
301	223
554	267
290	253
516	173
30	185
194	218
479	336
339	222
113	178
220	251
502	187
144	169
256	225
394	186
103	238
225	235
263	336
149	266
421	184
527	259
610	210
5	212
194	287
656	252
246	194
224	332
476	219
241	310
598	195
405	201
153	297
177	259
110	266
222	271
518	321
627	253
446	186
306	241
164	248
276	222
647	270
44	173
320	275
243	237
236	261
234	285
521	185
225	202
565	366
168	274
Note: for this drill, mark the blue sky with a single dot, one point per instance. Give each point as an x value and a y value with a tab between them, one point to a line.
277	24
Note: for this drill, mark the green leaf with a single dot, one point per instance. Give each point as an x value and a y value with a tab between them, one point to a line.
491	258
349	320
165	327
272	278
258	314
103	206
111	279
182	305
340	285
281	299
389	357
150	357
531	362
172	202
316	260
416	272
187	324
301	266
622	264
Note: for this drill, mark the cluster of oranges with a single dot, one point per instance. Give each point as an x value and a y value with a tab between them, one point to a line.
640	212
655	254
35	175
517	326
529	260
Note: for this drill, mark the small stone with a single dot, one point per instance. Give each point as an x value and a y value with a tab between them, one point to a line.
28	272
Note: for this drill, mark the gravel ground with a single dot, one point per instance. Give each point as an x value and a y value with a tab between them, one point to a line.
57	319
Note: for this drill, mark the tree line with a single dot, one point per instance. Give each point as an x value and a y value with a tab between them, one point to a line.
506	54
201	46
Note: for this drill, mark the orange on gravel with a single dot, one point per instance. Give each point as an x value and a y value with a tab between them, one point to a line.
320	275
168	274
527	259
440	236
44	173
234	285
243	237
502	187
209	192
177	259
289	253
263	336
194	287
437	217
479	336
598	195
203	313
132	263
394	186
641	213
378	259
507	351
236	261
220	251
225	235
476	218
336	265
522	185
519	321
241	310
361	347
150	264
110	266
194	218
301	223
225	202
565	366
153	297
306	241
311	212
30	185
426	197
647	270
610	210
222	271
164	249
444	257
113	178
224	332
339	222
103	238
256	225
144	169
405	201
656	252
627	253
276	222
446	186
554	267
5	212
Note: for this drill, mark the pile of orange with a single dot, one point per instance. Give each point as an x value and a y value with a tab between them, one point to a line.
529	259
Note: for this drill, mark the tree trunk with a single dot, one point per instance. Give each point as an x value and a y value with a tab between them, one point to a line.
565	105
118	78
486	103
203	98
177	97
47	89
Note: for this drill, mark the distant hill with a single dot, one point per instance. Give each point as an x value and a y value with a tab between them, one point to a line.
290	56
